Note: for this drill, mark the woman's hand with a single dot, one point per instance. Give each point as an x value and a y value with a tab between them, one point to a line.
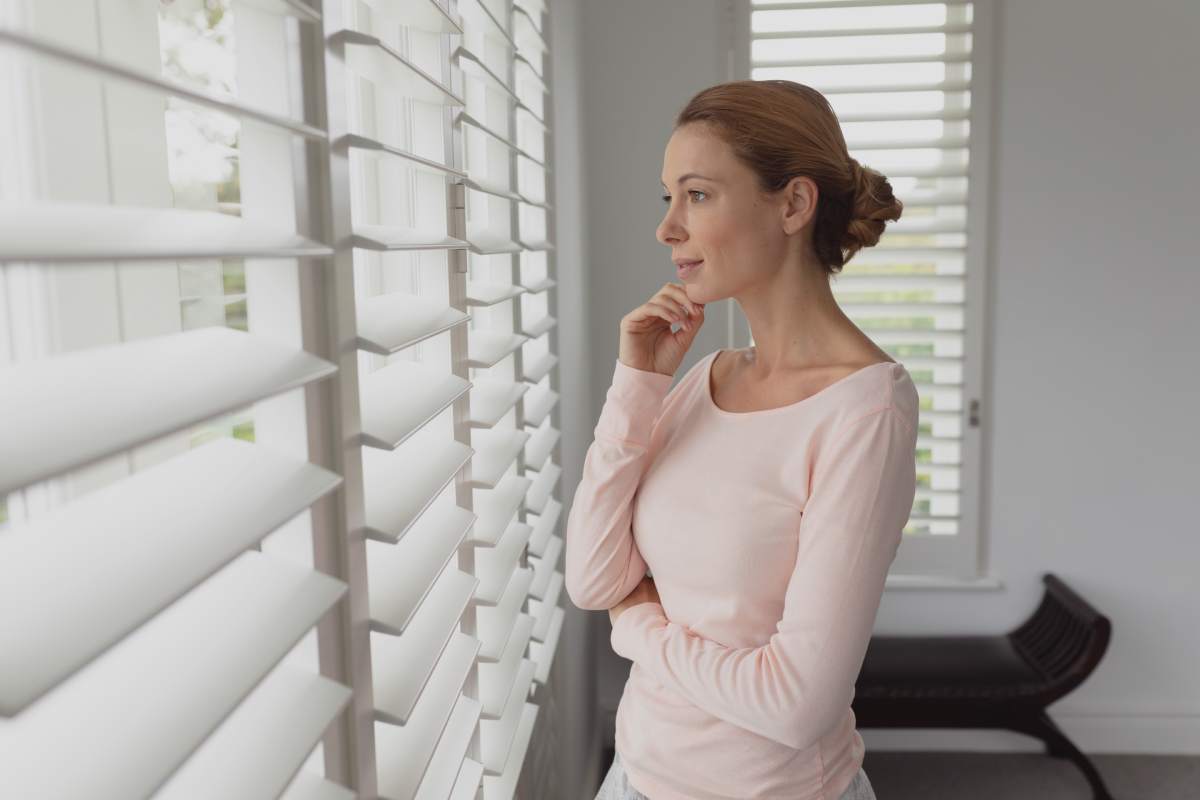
644	592
646	339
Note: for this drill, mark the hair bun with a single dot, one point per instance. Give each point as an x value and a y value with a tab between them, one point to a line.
872	205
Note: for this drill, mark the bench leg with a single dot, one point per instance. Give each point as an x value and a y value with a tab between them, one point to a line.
1059	746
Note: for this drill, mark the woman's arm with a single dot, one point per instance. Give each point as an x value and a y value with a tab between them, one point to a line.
603	564
796	687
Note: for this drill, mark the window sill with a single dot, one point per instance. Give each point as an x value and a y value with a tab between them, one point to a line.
937	582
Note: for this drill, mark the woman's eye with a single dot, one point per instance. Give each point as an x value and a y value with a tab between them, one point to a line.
667	198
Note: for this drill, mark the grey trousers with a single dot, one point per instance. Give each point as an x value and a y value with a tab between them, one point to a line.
616	786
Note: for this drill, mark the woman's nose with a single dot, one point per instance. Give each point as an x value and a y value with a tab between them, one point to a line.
669	230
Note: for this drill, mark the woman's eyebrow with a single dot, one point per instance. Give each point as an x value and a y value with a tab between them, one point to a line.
693	175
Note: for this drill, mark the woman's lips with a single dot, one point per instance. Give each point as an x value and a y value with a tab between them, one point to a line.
685	269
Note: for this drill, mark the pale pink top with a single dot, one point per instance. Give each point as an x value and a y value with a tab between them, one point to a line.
769	535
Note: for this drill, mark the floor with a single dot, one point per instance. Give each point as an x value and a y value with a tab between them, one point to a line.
1020	776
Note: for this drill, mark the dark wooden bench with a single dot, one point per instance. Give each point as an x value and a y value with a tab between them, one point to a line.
1003	681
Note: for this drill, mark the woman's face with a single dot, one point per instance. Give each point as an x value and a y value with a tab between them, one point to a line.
716	215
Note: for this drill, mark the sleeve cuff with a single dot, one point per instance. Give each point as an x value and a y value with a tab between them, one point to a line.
633	626
633	401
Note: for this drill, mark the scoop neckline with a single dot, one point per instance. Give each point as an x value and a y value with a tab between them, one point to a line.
712	403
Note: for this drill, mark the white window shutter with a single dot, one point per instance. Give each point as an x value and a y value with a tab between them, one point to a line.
908	82
443	271
158	588
276	399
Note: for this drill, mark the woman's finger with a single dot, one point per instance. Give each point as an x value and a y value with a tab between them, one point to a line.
678	293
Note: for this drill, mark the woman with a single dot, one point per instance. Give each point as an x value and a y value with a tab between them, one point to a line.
768	489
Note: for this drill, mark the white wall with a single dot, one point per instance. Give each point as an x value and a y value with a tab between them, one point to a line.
1093	379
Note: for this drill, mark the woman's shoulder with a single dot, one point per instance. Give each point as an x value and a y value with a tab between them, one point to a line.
885	387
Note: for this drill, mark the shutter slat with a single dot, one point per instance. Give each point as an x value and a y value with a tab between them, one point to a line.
873	283
378	62
540	444
497	736
366	144
831	33
534	117
525	31
404	752
533	373
918	197
542	486
467	118
952	57
887	88
496	507
496	680
406	666
544	567
504	787
534	7
486	244
75	408
386	237
941	142
876	256
494	565
541	400
536	244
425	15
106	69
401	398
489	293
540	285
904	116
542	204
901	309
544	527
450	773
489	187
388	323
531	72
491	399
486	348
539	163
468	783
495	451
543	610
473	65
106	563
923	225
543	652
166	692
492	28
401	576
399	485
289	711
531	116
495	623
534	17
77	232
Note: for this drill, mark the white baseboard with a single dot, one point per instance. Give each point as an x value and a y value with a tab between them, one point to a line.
1157	734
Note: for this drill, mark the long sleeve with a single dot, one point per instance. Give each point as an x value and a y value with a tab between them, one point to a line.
796	687
603	564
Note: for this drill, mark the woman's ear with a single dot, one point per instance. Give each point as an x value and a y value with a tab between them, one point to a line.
799	203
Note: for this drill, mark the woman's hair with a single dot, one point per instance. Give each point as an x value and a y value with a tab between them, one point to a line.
782	129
